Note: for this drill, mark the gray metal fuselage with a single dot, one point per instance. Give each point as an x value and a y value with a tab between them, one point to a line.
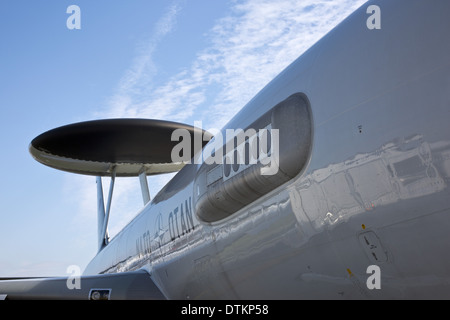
373	192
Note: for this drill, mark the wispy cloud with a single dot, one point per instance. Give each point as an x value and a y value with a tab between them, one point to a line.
258	41
247	48
132	93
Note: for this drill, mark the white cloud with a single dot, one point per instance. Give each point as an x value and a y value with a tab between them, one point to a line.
259	41
247	49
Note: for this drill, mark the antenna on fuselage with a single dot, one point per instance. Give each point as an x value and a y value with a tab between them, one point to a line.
113	148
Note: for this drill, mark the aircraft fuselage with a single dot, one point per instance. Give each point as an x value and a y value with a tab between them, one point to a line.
372	192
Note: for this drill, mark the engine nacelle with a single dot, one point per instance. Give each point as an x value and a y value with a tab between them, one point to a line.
269	152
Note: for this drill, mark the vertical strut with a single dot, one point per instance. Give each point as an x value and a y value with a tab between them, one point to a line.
144	186
100	213
108	206
103	216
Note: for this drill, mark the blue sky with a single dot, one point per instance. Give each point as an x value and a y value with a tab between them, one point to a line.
179	60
